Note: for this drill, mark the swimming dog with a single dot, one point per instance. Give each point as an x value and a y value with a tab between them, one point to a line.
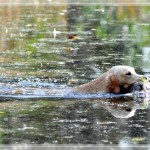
115	80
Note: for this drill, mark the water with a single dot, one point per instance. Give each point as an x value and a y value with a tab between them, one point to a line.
49	47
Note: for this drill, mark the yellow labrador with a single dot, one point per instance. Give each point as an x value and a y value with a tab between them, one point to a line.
111	81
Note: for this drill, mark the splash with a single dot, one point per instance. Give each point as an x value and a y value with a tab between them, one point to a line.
27	90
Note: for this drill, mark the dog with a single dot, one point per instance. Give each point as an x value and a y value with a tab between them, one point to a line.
116	80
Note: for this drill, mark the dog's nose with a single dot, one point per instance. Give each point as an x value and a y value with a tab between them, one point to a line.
138	78
145	79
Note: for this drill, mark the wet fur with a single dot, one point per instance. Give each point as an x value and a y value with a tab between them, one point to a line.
115	80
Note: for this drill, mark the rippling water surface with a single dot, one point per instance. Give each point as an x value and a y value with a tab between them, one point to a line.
60	47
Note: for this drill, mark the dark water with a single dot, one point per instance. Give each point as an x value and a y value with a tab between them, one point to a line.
63	46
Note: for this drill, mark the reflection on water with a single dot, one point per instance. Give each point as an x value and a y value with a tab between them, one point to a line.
70	121
49	46
124	107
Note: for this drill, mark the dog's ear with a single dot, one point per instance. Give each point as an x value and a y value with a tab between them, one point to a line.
113	84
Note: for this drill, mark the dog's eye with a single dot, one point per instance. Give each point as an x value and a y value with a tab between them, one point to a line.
128	73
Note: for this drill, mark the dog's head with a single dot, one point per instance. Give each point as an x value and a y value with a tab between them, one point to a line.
121	76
